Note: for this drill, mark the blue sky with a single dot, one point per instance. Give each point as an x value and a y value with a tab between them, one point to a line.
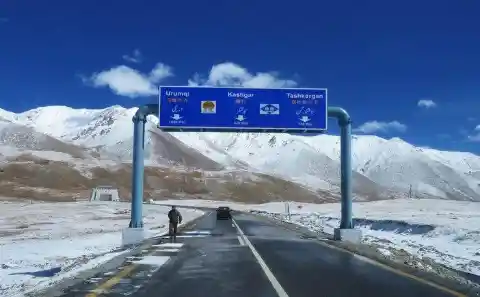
378	59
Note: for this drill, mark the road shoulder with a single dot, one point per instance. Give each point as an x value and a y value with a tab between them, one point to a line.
450	280
103	271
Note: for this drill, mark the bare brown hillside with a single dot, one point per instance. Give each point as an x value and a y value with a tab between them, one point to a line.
34	178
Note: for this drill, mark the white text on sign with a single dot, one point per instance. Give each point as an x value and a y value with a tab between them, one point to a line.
304	96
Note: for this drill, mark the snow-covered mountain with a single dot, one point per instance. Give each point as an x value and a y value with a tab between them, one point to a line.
14	136
382	168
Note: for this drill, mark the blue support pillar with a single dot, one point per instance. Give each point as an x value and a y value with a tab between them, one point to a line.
345	124
137	171
139	121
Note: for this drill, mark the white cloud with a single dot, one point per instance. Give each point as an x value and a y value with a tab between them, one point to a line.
230	74
160	72
426	103
476	134
126	81
135	58
383	127
474	138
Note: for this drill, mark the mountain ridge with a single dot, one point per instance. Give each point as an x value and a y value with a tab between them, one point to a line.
383	168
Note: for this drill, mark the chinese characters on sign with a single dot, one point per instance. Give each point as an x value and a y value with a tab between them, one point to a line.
177	100
305	102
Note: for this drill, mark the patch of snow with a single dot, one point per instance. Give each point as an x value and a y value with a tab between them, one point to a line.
385	252
40	236
153	260
53	156
7	151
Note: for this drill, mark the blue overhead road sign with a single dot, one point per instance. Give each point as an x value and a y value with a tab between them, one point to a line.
242	109
212	109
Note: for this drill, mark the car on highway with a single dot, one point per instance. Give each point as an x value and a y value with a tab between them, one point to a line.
224	213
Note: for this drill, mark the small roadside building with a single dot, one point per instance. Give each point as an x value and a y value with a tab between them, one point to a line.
104	193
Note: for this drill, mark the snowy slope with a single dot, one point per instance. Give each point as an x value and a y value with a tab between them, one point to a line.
382	166
110	132
82	126
283	155
15	138
393	164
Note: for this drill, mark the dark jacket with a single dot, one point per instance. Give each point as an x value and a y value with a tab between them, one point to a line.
174	216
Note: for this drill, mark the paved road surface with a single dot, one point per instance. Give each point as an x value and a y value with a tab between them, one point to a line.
256	259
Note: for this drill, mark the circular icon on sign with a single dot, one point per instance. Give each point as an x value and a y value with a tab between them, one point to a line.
209	106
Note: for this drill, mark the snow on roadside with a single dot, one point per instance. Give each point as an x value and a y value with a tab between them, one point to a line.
73	236
442	230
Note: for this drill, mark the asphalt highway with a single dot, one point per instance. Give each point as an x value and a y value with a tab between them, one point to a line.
251	257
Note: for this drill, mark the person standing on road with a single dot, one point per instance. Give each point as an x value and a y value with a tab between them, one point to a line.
174	218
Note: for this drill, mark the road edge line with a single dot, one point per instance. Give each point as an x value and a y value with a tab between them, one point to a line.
378	263
396	271
271	278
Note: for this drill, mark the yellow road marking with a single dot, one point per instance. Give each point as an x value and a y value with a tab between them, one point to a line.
117	277
112	281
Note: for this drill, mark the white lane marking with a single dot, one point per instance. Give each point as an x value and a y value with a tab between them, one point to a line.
202	232
275	284
153	260
240	239
169	245
167	250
